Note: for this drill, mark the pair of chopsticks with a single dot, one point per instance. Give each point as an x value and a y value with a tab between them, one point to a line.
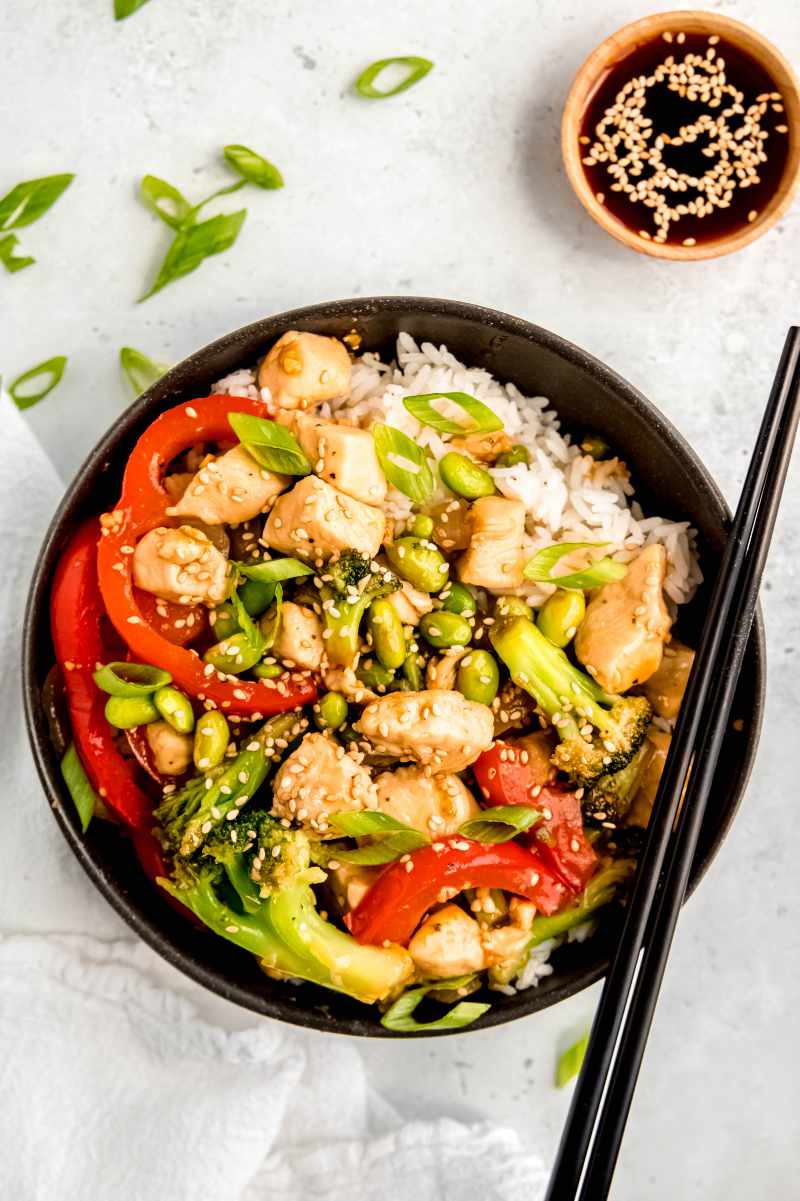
590	1143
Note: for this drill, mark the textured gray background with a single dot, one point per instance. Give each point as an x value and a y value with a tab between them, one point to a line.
455	189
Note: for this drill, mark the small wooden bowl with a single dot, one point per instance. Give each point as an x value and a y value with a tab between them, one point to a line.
622	43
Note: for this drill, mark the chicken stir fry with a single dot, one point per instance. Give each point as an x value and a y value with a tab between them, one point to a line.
387	749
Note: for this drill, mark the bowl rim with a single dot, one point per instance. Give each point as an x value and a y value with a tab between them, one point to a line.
37	610
622	41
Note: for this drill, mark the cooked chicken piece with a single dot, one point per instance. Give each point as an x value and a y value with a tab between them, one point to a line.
343	455
448	943
506	944
302	370
320	778
171	751
442	670
315	521
535	751
180	565
229	489
345	680
298	642
513	709
667	684
494	558
409	603
350	882
450	524
437	728
436	805
621	639
486	448
658	742
176	484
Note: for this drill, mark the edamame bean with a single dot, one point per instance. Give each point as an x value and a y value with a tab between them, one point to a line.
419	562
386	630
412	672
233	655
267	671
560	616
421	525
442	629
211	737
126	712
175	708
256	596
510	458
464	477
374	675
512	606
595	446
224	623
478	677
331	712
459	599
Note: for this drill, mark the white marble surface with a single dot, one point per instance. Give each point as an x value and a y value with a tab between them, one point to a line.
455	189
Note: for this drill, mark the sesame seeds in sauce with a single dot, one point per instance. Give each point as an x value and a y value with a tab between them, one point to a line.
683	141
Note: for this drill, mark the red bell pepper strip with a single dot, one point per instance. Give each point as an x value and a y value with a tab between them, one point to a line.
182	624
76	613
400	898
559	838
143	506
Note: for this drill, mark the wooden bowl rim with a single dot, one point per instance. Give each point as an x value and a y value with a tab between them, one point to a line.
621	42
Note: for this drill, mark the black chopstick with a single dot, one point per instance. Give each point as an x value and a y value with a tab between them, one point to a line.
591	1138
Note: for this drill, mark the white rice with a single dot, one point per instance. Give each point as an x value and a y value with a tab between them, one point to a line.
569	497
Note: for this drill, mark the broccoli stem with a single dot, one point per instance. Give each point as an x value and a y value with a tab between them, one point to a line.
342	633
600	890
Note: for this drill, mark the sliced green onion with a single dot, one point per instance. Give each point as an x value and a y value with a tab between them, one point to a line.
130	679
193	244
273	570
165	201
29	201
418	68
404	464
500	824
393	838
400	1016
126	8
50	370
271	633
252	167
83	795
482	418
11	261
252	633
367	821
604	571
139	370
270	444
569	1063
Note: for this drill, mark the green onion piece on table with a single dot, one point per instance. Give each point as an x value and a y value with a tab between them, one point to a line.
164	201
193	244
139	370
83	795
126	8
604	571
482	419
569	1063
252	167
400	1017
270	444
11	261
26	391
29	201
404	464
417	68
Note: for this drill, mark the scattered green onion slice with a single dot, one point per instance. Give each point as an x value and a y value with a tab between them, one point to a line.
569	1063
165	201
269	636
11	261
193	244
131	679
29	201
126	8
83	795
400	1016
500	824
139	370
273	570
604	571
270	444
51	370
367	821
252	167
393	838
482	418
252	632
404	464
418	68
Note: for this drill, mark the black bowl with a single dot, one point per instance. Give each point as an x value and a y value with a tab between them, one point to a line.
670	480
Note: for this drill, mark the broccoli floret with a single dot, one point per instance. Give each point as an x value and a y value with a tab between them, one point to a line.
287	934
349	586
599	732
611	796
185	819
260	856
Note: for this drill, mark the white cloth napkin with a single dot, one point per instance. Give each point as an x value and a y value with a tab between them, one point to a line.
113	1086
